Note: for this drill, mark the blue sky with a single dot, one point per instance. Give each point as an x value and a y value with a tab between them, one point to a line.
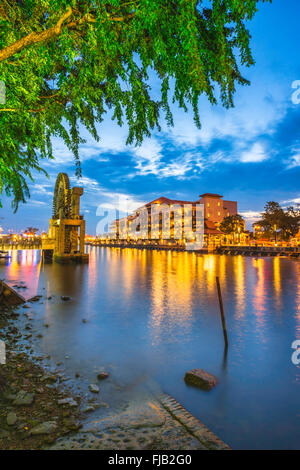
250	153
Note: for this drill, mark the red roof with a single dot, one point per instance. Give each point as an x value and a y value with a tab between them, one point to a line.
210	195
165	200
211	229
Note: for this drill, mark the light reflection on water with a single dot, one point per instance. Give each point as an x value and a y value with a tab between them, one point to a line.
154	315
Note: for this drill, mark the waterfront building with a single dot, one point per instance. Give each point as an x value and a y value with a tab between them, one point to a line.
163	221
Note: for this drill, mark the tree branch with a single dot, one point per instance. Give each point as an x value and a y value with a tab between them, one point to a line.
34	38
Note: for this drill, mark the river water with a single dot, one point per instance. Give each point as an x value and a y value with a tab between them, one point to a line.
153	315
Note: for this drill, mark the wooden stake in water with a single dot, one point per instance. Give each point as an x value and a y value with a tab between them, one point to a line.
222	312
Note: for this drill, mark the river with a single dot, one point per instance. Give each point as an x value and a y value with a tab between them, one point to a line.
149	316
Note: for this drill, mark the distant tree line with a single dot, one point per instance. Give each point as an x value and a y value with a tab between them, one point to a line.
279	223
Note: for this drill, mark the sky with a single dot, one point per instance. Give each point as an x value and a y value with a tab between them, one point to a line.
250	153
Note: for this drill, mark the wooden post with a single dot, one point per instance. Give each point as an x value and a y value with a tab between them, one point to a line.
222	312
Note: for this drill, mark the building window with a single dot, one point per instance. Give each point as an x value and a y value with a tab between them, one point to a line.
208	215
219	213
227	214
219	204
208	204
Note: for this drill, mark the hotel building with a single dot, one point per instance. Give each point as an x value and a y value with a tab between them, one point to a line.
161	221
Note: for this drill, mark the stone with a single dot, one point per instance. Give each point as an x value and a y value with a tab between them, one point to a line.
68	402
200	378
49	378
88	409
84	320
36	298
23	399
94	388
102	375
65	298
44	428
11	419
4	434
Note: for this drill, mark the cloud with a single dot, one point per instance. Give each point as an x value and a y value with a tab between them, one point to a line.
125	203
250	216
294	161
295	200
254	155
33	202
43	189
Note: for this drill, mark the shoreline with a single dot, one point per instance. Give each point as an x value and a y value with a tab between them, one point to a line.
259	251
38	411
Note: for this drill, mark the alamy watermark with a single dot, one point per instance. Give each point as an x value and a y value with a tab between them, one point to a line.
296	93
2	352
2	92
153	222
296	353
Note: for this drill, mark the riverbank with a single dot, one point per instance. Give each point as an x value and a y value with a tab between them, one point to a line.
35	409
233	250
38	411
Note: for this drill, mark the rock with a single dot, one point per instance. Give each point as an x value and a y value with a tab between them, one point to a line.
65	298
68	401
36	298
11	419
94	388
102	375
84	320
72	425
49	378
200	378
88	409
23	399
4	434
44	428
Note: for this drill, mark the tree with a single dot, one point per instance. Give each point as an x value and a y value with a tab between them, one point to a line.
233	224
31	230
289	224
66	62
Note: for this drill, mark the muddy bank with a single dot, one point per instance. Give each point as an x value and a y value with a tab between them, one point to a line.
35	407
38	410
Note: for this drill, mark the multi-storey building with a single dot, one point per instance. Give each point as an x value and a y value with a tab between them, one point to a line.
162	221
215	208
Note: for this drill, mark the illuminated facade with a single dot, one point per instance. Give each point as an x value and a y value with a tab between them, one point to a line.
172	221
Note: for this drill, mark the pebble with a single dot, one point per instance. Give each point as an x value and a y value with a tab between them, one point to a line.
102	375
44	428
11	419
68	401
94	388
23	399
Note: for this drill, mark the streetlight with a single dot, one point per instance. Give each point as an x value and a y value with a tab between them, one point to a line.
275	234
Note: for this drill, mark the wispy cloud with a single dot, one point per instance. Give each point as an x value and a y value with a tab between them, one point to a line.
251	216
255	155
294	160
